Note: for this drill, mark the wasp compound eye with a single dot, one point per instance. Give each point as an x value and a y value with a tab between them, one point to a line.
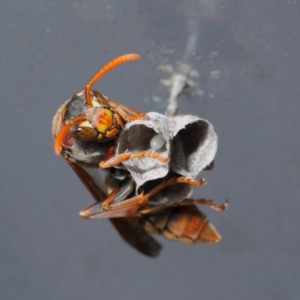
63	132
100	99
84	133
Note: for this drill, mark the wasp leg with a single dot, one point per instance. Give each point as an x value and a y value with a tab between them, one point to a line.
131	206
186	180
95	211
120	158
208	202
120	192
186	202
143	199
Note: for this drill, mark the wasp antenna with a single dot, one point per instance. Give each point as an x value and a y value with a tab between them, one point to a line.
61	135
106	68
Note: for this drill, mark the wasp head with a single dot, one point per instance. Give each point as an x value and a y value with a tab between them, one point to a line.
88	115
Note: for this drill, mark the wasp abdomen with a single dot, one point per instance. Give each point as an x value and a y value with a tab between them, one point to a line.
183	224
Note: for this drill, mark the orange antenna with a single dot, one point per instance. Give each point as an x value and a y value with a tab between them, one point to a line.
61	135
106	68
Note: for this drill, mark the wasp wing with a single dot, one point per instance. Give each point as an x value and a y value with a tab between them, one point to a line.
128	228
136	236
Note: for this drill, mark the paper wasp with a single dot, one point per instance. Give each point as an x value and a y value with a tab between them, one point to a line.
182	222
85	131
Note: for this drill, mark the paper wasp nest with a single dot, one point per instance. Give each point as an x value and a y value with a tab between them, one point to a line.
188	141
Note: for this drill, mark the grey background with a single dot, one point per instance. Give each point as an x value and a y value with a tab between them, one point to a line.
49	49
